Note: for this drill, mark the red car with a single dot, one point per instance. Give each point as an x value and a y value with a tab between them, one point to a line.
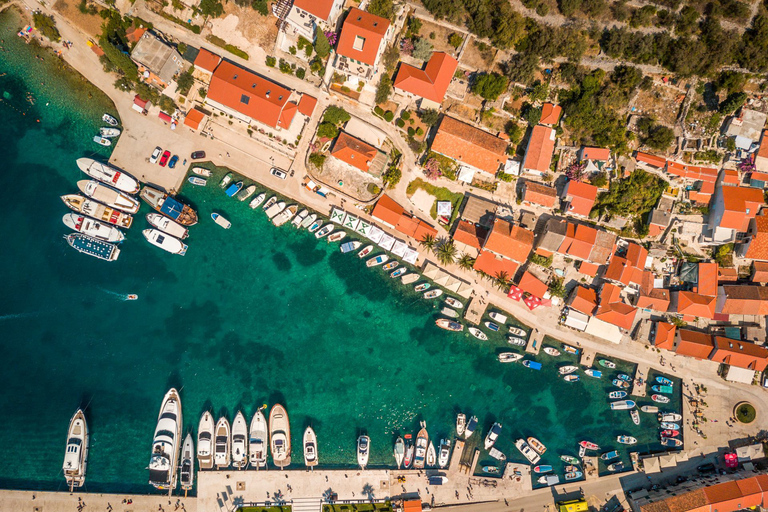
164	158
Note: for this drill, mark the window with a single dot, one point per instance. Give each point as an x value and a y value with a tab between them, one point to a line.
235	77
244	99
359	43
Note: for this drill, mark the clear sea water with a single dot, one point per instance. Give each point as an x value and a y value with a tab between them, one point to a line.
249	316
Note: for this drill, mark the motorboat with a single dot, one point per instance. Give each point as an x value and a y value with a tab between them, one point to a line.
502	319
568	369
670	433
626	440
421	287
615	467
671	442
363	450
662	389
660	399
109	175
166	225
492	435
587	445
226	180
197	181
624	377
221	454
496	454
400	271
650	409
622	405
431	461
299	218
451	313
97	211
449	325
280	436
311	218
389	266
433	294
93	227
349	247
607	364
365	252
571	378
273	210
205	431
376	261
169	206
165	443
445	453
620	383
594	373
109	133
201	171
570	459
454	303
76	452
527	451
517	331
324	231
509	357
93	246
234	188
271	201
399	452
165	241
410	278
220	220
537	445
408	458
543	468
470	428
582	451
239	441
533	365
491	469
609	455
246	192
518	342
670	426
284	216
422	442
258	439
337	236
315	225
477	333
111	121
492	326
635	416
256	201
571	350
461	424
573	475
670	416
664	381
98	139
310	448
551	351
108	196
617	395
187	472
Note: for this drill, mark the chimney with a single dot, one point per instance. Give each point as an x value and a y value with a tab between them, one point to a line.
268	93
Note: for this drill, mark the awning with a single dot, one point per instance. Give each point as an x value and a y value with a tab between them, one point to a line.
350	222
165	117
411	255
736	374
337	216
576	320
466	174
375	234
601	329
515	293
399	248
386	242
364	228
651	465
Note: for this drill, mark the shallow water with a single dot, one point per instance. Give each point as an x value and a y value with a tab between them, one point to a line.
249	316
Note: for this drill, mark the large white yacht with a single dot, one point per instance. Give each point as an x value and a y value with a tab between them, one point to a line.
257	442
76	455
165	444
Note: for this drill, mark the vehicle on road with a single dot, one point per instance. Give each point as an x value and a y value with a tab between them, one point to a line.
174	160
706	468
155	155
197	155
278	173
164	158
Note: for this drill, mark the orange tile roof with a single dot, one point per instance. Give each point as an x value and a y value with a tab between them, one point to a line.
727	274
541	145
656	161
744	202
628	269
579	240
193	119
740	353
694	344
392	214
353	151
584	300
207	60
665	335
692	172
320	8
758	246
431	82
759	272
695	305
599	154
470	145
588	269
132	35
656	299
491	264
730	176
533	285
707	282
762	151
760	176
307	105
256	97
414	227
743	494
612	310
362	27
580	196
540	194
514	242
550	113
470	234
387	210
745	300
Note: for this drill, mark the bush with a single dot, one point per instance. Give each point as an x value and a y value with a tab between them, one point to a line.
181	48
285	67
301	73
430	117
383	8
302	42
455	40
271	61
411	131
308	50
336	116
733	102
317	160
373	188
47	26
541	260
400	123
292	50
392	176
405	115
384	89
422	49
490	85
389	116
746	413
322	46
378	111
327	131
419	131
211	8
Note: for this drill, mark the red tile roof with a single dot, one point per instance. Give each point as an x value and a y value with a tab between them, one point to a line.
541	145
431	82
580	196
656	161
207	61
745	300
470	234
256	97
730	176
470	145
694	344
727	274
692	172
612	310
550	113
353	151
415	227
584	300
491	264
540	194
514	242
599	154
758	246
740	353
533	285
307	105
588	269
320	8
628	269
695	305
132	35
665	335
742	203
193	119
707	281
762	151
579	240
361	36
743	494
656	299
392	214
759	272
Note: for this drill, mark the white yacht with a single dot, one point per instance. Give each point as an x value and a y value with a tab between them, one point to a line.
399	451
108	196
257	442
187	476
221	444
76	454
165	241
239	441
363	450
205	441
165	445
280	436
310	448
493	434
445	453
112	176
93	227
167	225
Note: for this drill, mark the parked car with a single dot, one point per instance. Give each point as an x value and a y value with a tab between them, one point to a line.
278	173
173	161
155	155
197	155
164	158
706	468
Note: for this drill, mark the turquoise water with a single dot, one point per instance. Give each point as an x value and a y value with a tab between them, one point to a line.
249	316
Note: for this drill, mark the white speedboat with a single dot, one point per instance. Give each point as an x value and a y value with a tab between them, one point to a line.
246	192
324	231
221	221
273	210
280	436
272	200
310	448
93	227
258	440
399	451
431	455
337	236
527	451
108	196
97	211
461	424
518	342
167	225
492	435
445	453
376	261
285	215
109	133
197	181
551	351
187	472
470	428
112	176
451	313
201	171
221	456
239	441
299	218
477	333
205	431
111	121
422	442
256	201
517	331
98	139
165	444
502	319
363	450
76	454
165	241
567	369
308	221
509	357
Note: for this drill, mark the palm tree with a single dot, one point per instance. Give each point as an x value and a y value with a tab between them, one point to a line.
466	261
428	242
501	280
446	252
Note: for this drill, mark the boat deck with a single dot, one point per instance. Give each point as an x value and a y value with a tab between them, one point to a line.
639	387
93	247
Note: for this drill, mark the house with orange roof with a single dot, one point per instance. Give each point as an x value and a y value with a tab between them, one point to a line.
363	39
745	494
550	114
538	152
660	217
579	198
701	193
652	160
741	354
731	211
469	237
743	300
539	194
691	172
474	149
431	83
664	335
357	153
533	285
133	34
692	305
193	119
583	300
706	283
759	272
758	179
613	310
761	156
654	299
627	267
578	241
505	248
206	62
391	214
693	344
594	154
305	16
754	245
729	177
158	62
250	98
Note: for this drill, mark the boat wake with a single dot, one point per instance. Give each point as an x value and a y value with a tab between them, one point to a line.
121	296
14	316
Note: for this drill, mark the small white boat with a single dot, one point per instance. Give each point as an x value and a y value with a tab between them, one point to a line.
514	340
221	221
517	331
432	294
635	416
363	449
349	247
497	454
454	303
338	235
308	221
76	453
626	440
568	369
492	326
622	405
527	451
256	201
470	428
299	218
551	351
102	141
315	225
422	441
258	441
165	241
167	225
109	133
221	454
111	121
509	357
285	215
187	472
93	227
492	435
502	319
667	416
477	333
246	193
431	456
410	278
275	209
205	431
449	312
198	181
109	175
272	200
108	196
399	452
239	441
325	231
461	424
365	252
201	171
421	287
310	448
378	260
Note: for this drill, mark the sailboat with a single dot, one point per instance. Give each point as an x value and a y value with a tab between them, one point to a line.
165	444
205	441
76	454
310	448
399	451
239	441
257	442
187	477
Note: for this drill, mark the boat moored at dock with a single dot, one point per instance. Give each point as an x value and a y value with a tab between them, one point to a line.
221	454
258	441
422	442
76	453
492	435
363	450
165	241
470	428
93	246
527	451
256	201
166	225
187	473
165	444
239	441
169	206
108	196
399	452
93	227
112	176
622	405
449	325
445	453
310	448
205	431
280	436
97	211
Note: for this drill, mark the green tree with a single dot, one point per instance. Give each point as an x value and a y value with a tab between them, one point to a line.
47	26
336	115
429	116
384	89
383	8
327	131
455	40
211	8
428	242
392	176
731	81
466	261
514	132
557	288
322	46
531	114
422	49
184	83
522	67
490	85
732	103
446	252
634	195
181	48
317	160
502	280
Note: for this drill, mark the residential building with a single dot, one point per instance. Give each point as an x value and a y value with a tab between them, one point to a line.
742	300
729	177
250	98
746	127
533	285
706	281
691	305
664	336
206	62
660	217
651	160
539	194
307	106
158	62
741	354
627	267
194	119
692	172
761	156
550	114
746	493
759	272
754	246
583	300
363	39
758	179
652	297
469	237
505	248
577	241
431	83
358	154
594	154
305	16
731	211
579	198
694	344
478	210
613	310
538	152
474	149
393	215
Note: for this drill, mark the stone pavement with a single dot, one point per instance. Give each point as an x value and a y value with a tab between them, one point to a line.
33	501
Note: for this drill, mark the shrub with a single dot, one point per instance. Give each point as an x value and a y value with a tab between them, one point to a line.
336	115
455	40
203	92
430	117
271	61
405	115
317	160
392	176
327	130
379	111
746	413
422	49
373	188
292	50
285	67
400	123
322	46
308	50
47	26
419	131
184	83
181	48
384	89
301	72
490	85
389	116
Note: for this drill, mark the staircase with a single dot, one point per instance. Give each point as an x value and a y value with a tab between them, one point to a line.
307	505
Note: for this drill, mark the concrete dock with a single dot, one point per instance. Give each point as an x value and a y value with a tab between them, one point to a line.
535	341
639	387
475	310
587	358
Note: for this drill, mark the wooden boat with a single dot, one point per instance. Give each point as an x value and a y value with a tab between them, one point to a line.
609	455
492	435
568	369
594	373
376	261
617	395
461	424
664	381
221	221
502	319
389	266
422	442
349	247
527	451
451	313
573	475
662	389
310	448
571	378
108	196
509	357
258	440
299	218
606	363
570	459
587	445
537	445
109	133
571	350
660	399
670	416
626	440
671	442
669	426
97	210
650	409
196	180
492	326
620	383
410	278
239	441
470	428
111	121
518	342
432	294
400	271
280	436
256	201
365	251
187	472
399	452
324	231
226	179
551	351
477	333
431	461
92	227
622	405
246	192
98	139
670	433
635	416
76	452
543	468
363	449
615	467
284	216
109	175
454	303
517	331
169	206
205	433
338	235
421	287
449	325
201	171
221	455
